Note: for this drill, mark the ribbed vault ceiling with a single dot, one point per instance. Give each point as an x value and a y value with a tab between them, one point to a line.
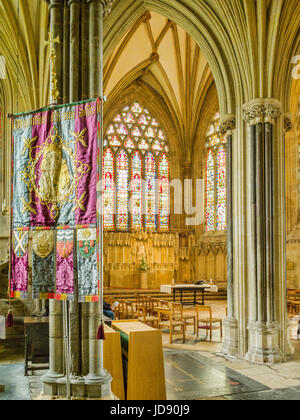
161	54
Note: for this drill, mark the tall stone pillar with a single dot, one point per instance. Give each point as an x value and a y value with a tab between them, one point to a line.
230	342
79	25
56	371
265	321
97	378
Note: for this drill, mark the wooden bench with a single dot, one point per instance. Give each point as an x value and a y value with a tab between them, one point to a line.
143	363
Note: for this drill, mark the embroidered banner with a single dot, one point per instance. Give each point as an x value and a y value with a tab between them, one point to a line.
55	167
19	265
88	289
43	276
65	265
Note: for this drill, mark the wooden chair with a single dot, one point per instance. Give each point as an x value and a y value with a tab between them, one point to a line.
207	322
131	312
291	297
121	310
145	317
180	314
152	306
166	321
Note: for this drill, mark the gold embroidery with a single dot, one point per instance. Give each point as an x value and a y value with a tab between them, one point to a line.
54	182
43	243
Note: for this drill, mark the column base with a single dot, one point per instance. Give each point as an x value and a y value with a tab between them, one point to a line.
90	387
230	342
264	343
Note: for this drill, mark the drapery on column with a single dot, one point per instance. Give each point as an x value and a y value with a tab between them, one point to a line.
262	115
230	342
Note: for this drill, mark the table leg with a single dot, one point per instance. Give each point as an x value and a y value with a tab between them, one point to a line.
174	295
195	297
181	297
203	297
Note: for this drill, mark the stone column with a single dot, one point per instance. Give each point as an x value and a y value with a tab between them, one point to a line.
97	378
74	78
56	341
285	330
262	115
56	11
230	342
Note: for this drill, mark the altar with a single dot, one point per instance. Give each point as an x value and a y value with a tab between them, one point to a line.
186	289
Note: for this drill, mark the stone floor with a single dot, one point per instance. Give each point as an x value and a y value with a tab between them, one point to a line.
195	370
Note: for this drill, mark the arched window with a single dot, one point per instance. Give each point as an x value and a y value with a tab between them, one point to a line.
215	178
136	172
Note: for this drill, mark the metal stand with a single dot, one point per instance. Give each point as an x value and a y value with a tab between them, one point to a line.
67	348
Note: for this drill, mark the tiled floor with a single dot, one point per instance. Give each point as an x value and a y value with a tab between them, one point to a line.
194	370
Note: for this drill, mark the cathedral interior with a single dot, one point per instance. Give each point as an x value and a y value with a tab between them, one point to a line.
201	121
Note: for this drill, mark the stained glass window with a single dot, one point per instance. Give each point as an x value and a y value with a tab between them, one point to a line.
136	150
150	175
122	191
163	177
136	189
109	189
215	178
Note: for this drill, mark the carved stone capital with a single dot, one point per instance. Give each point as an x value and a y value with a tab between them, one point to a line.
107	7
228	124
187	170
288	122
265	110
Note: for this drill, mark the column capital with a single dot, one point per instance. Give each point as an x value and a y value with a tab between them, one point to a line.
288	125
56	3
107	5
262	110
187	170
73	1
228	124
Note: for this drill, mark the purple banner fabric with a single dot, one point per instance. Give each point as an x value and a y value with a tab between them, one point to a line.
65	265
87	153
19	265
56	172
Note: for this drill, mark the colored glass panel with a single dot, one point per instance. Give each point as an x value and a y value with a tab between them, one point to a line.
221	188
210	191
109	190
150	173
164	199
136	190
122	191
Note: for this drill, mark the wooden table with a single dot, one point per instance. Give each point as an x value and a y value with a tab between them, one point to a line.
36	342
181	288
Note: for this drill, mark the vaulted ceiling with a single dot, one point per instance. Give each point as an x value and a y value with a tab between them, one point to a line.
162	55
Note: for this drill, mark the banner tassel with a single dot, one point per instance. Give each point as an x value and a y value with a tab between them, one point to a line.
10	318
100	333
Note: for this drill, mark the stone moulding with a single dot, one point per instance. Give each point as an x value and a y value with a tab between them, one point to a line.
262	111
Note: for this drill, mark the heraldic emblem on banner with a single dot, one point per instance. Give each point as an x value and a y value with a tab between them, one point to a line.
55	169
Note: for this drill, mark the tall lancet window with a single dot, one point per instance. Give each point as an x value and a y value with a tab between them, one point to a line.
136	172
215	178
